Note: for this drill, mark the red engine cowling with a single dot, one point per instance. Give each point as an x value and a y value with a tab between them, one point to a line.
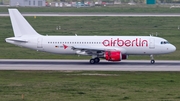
113	55
124	56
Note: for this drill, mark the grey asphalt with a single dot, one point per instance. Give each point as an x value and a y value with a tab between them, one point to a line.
83	65
103	14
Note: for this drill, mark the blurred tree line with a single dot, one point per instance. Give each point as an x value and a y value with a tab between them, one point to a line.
122	1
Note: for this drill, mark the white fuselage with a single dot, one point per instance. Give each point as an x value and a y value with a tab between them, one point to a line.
130	45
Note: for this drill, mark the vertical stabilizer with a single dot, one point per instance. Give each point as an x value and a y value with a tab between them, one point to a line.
20	25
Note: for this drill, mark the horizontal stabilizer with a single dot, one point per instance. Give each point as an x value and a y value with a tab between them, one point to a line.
15	39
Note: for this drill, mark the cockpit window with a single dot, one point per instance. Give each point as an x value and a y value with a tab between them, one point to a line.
165	42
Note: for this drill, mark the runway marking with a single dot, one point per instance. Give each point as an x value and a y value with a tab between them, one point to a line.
83	65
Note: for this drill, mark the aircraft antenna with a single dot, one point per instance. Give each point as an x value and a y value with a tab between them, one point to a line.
156	34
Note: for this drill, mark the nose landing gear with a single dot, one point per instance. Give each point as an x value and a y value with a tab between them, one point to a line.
152	59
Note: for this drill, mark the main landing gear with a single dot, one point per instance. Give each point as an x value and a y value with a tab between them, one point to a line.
94	60
152	59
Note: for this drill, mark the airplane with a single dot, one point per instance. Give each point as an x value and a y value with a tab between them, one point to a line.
111	48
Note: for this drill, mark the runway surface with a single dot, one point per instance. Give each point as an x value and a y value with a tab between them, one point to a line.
83	65
102	14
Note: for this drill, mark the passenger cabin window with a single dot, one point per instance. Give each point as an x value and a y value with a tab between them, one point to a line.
162	42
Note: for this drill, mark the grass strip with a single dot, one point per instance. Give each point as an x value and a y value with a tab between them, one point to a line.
89	86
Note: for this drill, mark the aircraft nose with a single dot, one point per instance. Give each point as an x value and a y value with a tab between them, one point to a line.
173	48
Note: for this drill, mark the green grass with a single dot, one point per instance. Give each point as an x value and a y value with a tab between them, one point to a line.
89	86
166	27
108	9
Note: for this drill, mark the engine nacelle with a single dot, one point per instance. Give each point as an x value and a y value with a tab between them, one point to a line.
113	55
124	56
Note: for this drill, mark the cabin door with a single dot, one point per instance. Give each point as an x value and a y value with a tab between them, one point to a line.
39	43
152	43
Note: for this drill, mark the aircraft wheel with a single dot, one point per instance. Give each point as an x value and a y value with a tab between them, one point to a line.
92	61
152	61
97	60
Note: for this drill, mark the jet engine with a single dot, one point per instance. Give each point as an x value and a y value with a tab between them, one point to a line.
113	55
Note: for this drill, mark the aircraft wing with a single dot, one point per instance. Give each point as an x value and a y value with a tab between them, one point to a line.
88	48
94	50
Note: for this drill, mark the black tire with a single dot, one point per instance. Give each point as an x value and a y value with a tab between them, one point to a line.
152	61
96	60
92	61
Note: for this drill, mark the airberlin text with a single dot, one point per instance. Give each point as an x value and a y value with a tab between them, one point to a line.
137	42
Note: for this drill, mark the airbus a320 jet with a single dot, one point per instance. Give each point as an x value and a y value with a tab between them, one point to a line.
111	48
